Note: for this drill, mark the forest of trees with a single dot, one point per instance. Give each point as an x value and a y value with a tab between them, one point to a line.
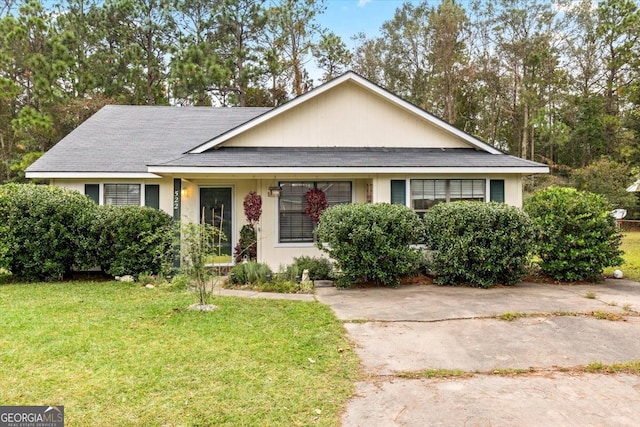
555	81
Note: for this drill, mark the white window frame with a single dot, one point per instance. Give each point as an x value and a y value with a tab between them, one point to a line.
101	192
447	180
140	188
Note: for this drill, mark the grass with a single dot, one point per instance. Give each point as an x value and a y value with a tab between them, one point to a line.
590	295
631	247
606	315
632	367
119	354
510	316
435	373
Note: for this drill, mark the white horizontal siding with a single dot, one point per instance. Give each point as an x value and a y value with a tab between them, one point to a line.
349	117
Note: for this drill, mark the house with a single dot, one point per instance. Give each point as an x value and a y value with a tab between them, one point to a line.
349	137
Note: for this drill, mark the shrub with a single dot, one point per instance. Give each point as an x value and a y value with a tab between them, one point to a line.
132	240
251	272
370	242
247	246
480	244
279	286
319	268
42	230
179	282
576	235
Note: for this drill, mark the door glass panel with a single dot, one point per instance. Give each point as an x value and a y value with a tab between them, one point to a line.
216	203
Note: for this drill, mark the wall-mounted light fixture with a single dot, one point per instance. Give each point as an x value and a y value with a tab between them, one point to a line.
275	191
184	191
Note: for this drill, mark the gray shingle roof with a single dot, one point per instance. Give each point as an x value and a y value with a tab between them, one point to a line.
346	157
128	139
122	138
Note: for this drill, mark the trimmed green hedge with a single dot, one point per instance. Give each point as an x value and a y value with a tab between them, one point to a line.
131	240
577	236
480	244
42	230
371	242
46	231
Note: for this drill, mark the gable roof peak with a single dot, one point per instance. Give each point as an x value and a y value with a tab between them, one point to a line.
348	76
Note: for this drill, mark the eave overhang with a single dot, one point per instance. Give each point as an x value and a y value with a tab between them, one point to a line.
91	175
221	170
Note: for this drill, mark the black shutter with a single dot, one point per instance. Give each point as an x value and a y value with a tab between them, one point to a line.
93	192
398	192
496	190
152	196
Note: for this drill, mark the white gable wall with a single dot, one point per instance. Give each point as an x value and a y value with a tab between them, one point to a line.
358	118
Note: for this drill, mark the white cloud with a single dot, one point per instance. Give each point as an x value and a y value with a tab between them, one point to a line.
362	3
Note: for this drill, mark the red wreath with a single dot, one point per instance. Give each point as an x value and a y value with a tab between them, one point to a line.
252	207
316	203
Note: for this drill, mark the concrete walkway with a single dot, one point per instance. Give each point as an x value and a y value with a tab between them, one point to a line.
417	328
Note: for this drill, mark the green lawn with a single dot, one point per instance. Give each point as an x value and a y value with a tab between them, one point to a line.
631	248
119	354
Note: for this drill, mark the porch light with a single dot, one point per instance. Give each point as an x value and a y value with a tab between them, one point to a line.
184	192
275	191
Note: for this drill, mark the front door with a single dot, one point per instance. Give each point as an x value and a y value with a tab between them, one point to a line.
216	203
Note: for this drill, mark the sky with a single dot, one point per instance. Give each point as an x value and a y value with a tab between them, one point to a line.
346	18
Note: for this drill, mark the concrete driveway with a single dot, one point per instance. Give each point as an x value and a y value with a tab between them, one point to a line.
526	372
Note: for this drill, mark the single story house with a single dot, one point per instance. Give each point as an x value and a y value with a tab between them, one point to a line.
350	138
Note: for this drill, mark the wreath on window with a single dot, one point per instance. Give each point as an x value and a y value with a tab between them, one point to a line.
316	203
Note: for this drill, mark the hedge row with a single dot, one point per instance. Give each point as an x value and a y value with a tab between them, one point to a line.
47	231
479	244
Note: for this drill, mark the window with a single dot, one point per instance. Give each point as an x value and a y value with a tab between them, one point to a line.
425	193
122	194
294	224
467	189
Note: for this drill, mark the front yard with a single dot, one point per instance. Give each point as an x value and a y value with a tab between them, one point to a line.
631	247
119	354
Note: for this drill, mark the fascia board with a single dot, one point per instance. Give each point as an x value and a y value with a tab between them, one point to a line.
92	175
342	170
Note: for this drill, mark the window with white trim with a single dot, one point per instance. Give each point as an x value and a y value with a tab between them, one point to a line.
294	224
425	193
121	194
